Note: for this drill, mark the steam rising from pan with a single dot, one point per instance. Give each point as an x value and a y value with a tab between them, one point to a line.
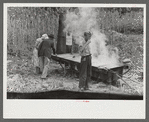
86	20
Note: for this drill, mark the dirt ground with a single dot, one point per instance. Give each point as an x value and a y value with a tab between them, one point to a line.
21	78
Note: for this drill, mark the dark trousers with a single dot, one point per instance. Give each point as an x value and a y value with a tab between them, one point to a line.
85	71
68	48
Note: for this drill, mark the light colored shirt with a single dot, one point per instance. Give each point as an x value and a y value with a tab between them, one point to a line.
35	58
38	42
68	39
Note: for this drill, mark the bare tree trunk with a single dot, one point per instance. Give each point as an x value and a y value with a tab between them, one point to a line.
61	42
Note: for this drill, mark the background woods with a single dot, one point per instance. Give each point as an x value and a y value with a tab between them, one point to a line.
26	24
122	26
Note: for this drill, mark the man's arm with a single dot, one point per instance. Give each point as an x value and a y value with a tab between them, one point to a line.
82	48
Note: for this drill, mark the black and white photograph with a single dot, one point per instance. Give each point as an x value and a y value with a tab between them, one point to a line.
80	54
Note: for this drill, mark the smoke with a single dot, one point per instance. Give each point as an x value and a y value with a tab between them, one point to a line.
86	20
82	21
102	54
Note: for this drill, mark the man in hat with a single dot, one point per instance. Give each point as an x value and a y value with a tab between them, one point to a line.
44	54
85	66
69	42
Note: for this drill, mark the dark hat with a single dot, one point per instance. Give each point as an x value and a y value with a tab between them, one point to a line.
51	36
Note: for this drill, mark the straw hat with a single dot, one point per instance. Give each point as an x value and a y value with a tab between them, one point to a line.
44	36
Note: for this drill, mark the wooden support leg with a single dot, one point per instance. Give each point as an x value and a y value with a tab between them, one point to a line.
61	65
73	70
64	69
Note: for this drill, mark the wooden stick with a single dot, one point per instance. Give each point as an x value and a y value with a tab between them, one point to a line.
89	41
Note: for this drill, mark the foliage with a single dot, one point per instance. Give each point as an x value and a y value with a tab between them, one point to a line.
26	24
123	20
129	46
